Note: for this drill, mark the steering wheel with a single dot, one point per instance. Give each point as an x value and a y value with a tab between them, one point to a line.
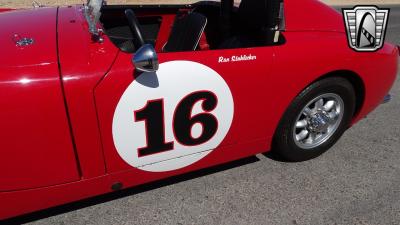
138	40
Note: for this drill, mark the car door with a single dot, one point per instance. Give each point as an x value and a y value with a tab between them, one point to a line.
196	103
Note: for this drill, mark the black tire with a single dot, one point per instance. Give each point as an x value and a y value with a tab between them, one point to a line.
284	141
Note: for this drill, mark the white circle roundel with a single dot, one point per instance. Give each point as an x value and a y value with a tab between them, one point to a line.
172	118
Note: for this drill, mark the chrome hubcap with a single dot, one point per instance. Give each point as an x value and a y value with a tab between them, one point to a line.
318	121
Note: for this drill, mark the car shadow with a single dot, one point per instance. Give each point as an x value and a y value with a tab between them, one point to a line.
275	157
127	192
149	80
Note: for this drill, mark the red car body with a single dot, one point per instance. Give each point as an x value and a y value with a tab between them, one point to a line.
58	97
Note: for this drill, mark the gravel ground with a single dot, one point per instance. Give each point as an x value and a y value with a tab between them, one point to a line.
28	3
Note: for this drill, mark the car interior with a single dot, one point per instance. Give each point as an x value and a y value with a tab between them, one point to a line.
206	25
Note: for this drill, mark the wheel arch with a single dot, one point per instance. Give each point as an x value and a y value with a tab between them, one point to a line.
359	88
355	80
357	83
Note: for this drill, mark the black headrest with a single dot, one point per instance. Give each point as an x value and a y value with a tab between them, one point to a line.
258	14
186	33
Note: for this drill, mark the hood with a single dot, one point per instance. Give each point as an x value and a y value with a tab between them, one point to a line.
312	15
37	26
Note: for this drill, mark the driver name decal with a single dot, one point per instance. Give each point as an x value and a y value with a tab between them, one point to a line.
236	58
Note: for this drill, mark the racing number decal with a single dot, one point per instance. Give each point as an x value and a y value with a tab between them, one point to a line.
153	116
173	118
183	121
182	125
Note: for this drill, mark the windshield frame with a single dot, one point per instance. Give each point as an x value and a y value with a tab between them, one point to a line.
92	12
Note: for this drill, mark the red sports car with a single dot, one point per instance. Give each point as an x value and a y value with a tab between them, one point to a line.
96	98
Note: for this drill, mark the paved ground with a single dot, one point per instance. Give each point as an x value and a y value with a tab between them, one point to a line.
356	182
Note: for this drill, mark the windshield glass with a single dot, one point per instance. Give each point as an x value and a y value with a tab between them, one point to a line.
93	13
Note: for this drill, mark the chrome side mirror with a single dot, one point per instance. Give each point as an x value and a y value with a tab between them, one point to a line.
146	59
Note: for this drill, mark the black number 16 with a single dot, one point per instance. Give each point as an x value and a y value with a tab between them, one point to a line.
153	116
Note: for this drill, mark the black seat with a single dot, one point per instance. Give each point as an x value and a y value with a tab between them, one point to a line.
255	15
256	20
186	33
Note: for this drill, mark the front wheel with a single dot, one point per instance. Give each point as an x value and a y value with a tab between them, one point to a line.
315	120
